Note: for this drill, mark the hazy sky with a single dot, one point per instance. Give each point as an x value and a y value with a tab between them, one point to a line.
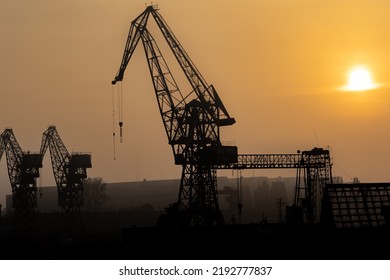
277	65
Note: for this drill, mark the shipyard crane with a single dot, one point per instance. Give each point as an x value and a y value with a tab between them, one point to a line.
23	171
192	121
69	170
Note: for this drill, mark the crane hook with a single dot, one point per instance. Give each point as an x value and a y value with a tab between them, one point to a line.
120	131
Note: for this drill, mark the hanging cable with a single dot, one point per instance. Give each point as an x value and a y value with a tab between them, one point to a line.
120	108
40	185
239	192
113	119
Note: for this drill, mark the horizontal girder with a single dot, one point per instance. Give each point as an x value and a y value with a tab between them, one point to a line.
316	158
264	161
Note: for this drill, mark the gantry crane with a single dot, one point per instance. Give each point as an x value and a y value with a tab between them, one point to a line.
23	171
314	172
192	122
69	170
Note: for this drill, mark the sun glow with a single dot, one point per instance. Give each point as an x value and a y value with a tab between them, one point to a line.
359	79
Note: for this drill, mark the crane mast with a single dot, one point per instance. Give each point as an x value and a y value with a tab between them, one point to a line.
23	170
192	121
69	170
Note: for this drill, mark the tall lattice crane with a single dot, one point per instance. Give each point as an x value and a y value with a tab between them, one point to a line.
69	170
23	171
192	120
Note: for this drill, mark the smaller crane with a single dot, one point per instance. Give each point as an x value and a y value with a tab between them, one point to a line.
313	174
69	170
23	171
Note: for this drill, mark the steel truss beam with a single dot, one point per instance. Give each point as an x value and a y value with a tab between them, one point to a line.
264	161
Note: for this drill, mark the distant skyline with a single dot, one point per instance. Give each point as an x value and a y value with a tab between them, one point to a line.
278	66
259	197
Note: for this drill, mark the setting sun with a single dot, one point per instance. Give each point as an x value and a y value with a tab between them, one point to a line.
359	79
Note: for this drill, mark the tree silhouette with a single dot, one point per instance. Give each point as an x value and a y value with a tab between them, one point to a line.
95	193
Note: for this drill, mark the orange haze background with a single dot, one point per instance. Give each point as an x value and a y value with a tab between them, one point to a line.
277	65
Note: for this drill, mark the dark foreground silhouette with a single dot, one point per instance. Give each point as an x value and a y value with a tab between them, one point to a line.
110	237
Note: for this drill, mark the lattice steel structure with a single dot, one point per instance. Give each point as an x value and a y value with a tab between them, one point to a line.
264	161
192	120
192	123
69	171
356	205
23	171
314	171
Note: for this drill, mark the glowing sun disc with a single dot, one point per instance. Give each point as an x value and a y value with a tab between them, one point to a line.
359	79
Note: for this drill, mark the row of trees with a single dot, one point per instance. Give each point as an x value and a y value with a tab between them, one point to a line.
95	196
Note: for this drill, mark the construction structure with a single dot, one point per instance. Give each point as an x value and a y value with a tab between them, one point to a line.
69	171
192	122
313	175
314	172
23	171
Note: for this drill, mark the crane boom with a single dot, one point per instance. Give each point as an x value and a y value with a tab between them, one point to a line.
137	27
206	94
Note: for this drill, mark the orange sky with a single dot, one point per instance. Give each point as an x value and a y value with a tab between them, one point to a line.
277	65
